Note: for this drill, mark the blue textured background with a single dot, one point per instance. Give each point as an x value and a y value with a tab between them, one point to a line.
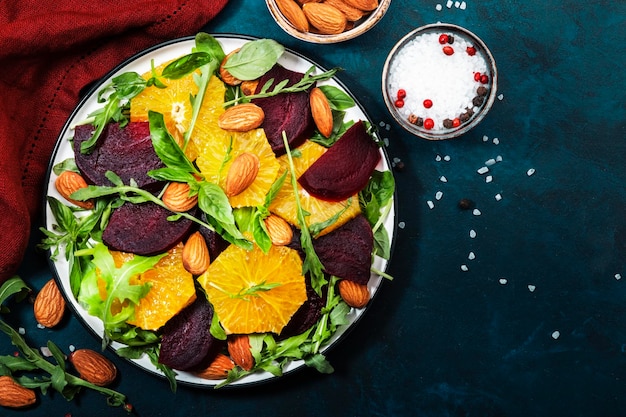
439	341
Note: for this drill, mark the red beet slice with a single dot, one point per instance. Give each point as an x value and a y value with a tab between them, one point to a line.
187	342
346	252
306	316
288	112
345	168
143	229
127	151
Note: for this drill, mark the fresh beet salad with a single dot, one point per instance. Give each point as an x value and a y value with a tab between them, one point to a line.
439	80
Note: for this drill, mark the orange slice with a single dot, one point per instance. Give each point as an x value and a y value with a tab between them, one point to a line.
171	289
284	204
254	292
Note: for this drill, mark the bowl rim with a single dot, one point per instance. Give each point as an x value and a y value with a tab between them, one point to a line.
368	23
477	118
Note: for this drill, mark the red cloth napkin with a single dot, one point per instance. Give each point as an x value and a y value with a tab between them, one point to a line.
48	52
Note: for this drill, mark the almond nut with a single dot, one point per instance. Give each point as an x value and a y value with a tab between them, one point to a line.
365	5
69	182
176	197
352	13
14	395
278	229
248	87
93	367
49	305
294	14
195	255
241	173
239	351
218	369
241	118
325	18
226	76
322	114
354	294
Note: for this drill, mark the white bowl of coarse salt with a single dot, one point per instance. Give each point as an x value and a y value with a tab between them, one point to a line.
439	81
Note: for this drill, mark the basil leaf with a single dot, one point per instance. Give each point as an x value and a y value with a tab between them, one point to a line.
213	201
185	65
165	146
254	59
337	98
171	174
207	43
128	85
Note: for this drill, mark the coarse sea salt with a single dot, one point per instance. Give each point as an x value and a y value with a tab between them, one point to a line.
424	71
498	197
438	7
472	233
438	195
431	205
503	281
531	288
530	172
471	256
556	334
618	276
464	268
488	178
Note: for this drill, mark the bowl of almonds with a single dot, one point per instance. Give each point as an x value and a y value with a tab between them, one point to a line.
327	21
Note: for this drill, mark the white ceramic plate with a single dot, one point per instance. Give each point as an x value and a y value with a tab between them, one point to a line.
140	64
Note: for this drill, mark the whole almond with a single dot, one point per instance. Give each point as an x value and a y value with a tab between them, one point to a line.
69	182
278	229
248	87
352	13
195	255
239	350
241	173
294	14
241	118
354	294
93	367
176	197
14	395
226	76
320	109
218	369
366	5
49	305
325	18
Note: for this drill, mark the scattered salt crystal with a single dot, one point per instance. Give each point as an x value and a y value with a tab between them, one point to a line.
381	123
464	268
531	288
530	172
431	205
396	160
72	348
45	351
503	281
500	97
40	326
438	158
618	276
446	158
489	162
438	7
476	212
457	4
499	158
386	141
488	178
449	4
482	170
401	225
438	195
556	334
471	256
472	233
387	126
496	141
498	197
463	5
21	331
443	179
485	138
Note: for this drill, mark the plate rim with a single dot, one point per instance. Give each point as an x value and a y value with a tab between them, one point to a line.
61	137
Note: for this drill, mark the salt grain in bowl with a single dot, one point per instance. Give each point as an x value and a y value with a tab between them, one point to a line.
439	81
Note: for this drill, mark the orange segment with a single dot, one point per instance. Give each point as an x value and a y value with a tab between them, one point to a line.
218	149
252	292
171	289
284	204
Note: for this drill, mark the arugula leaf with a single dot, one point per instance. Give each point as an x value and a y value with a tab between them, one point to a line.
13	286
254	59
376	202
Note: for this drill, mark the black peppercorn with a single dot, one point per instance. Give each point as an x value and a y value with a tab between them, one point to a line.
412	118
450	39
464	117
447	123
478	101
482	91
466	204
399	166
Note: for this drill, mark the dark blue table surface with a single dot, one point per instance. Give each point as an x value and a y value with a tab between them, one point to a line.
537	324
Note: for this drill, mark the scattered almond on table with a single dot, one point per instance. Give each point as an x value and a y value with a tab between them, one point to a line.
49	306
